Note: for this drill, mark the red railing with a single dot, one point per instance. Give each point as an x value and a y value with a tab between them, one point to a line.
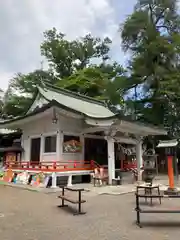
129	165
53	166
94	164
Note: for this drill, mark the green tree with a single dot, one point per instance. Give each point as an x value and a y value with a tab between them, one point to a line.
21	91
151	36
70	64
104	82
66	57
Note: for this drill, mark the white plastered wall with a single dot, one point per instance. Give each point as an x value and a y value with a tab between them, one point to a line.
44	127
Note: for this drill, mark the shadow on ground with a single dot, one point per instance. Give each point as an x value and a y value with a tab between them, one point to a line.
162	224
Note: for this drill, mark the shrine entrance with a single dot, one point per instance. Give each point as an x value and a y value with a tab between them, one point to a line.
35	150
96	149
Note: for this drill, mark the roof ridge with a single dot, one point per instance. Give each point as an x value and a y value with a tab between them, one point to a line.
73	94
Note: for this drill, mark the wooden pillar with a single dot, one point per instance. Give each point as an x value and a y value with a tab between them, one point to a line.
111	159
58	146
54	180
69	183
170	172
82	140
41	148
139	159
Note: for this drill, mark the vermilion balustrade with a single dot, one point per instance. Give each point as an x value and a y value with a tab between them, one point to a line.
53	166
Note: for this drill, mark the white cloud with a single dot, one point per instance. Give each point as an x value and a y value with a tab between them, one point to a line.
22	24
4	79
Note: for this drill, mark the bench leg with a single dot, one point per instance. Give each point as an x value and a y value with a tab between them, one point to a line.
138	220
61	206
94	182
79	212
151	194
99	182
62	203
159	193
137	212
145	191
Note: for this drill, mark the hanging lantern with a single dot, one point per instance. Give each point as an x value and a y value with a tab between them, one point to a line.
54	117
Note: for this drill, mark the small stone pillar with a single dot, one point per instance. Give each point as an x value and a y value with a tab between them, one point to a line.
54	180
69	183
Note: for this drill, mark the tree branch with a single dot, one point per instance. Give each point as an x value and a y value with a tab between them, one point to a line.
160	16
151	13
163	26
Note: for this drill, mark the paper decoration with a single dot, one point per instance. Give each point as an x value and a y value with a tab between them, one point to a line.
1	175
22	178
8	175
132	150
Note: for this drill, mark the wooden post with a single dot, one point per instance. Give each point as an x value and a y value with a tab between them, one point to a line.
139	159
111	159
170	172
122	163
54	180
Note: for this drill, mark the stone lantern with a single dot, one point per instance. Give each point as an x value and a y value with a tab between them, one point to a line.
149	173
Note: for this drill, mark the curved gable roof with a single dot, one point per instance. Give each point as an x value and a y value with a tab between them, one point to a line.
85	105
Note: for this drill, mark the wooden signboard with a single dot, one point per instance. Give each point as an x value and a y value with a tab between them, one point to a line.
72	146
10	158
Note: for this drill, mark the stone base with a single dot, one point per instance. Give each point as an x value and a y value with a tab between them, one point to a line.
171	191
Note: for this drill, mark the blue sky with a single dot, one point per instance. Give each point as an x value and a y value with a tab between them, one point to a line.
22	24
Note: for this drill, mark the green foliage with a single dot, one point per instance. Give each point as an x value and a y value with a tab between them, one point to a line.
21	91
66	57
151	35
16	106
103	82
70	64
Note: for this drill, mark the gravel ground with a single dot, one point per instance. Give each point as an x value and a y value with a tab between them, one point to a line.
26	215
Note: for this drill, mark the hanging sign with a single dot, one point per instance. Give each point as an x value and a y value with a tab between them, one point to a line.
11	158
132	150
72	146
127	151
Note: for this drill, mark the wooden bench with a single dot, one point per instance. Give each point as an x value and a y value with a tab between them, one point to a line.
139	210
100	180
148	191
67	199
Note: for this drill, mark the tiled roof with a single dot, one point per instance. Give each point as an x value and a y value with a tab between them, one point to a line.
85	105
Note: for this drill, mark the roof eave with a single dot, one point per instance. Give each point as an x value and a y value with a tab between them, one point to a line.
33	99
126	126
9	123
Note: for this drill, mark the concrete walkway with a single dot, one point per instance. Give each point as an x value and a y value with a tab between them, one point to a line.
162	181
